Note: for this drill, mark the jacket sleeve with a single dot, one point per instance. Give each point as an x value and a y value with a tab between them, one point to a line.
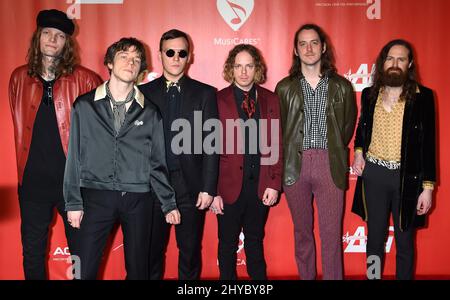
351	112
283	105
210	162
429	139
12	95
360	130
71	187
159	174
278	167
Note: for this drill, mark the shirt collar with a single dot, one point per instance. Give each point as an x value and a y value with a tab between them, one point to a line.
100	93
239	93
179	83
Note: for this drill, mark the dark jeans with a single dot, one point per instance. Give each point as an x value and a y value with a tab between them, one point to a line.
381	187
102	209
248	214
189	234
36	217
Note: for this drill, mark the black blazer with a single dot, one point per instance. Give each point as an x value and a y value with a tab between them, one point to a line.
418	152
200	171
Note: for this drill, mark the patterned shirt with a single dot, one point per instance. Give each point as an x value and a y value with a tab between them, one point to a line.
387	134
315	126
387	131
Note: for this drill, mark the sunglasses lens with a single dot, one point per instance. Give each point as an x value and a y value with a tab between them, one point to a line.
170	53
182	53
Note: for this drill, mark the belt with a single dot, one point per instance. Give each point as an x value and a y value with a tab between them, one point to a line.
391	165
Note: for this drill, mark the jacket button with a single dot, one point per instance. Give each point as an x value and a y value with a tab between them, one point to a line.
33	107
28	128
240	168
25	149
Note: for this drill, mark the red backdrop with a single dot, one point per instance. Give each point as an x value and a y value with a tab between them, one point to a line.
358	29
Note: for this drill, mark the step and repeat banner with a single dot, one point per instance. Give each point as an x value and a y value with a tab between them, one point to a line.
357	28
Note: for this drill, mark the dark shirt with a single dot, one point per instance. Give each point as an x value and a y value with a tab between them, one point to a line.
173	97
44	170
251	159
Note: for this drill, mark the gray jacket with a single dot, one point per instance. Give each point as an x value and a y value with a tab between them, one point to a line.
132	161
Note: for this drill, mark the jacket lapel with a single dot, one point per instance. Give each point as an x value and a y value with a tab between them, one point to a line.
230	104
263	105
298	93
187	99
332	90
407	115
158	98
265	114
104	111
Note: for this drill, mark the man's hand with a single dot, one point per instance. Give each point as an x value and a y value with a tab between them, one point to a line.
204	200
270	197
173	217
74	218
358	164
424	201
217	206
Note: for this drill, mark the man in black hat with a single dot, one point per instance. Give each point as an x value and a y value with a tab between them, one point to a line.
41	94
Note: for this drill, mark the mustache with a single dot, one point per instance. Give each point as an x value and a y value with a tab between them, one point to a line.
394	69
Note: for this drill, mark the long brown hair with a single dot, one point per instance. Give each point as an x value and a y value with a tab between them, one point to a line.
409	88
260	66
327	61
66	62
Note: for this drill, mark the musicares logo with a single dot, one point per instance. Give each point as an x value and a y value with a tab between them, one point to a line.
235	12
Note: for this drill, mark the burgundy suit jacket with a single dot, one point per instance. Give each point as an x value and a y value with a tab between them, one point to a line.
231	167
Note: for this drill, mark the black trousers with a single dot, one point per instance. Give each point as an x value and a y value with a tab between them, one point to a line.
248	214
102	209
382	194
36	217
189	234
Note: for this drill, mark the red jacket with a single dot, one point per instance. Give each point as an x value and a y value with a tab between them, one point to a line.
231	168
25	94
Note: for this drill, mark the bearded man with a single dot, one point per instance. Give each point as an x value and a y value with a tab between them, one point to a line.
394	157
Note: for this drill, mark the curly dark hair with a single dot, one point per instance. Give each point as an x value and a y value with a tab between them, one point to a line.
409	88
260	65
66	62
327	61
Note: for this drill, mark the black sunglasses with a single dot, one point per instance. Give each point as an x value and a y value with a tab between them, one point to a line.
181	53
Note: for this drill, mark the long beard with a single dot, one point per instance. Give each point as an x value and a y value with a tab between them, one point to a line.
394	77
